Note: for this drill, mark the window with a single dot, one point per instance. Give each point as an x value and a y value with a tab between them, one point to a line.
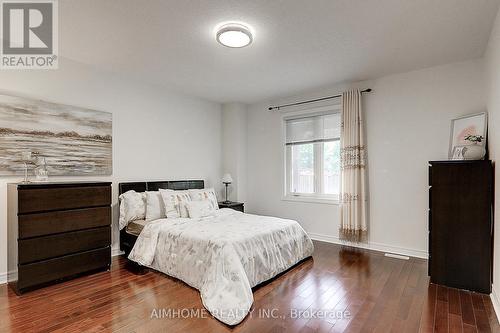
312	152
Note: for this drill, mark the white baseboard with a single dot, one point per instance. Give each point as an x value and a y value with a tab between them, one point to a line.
494	296
116	252
12	276
4	277
372	246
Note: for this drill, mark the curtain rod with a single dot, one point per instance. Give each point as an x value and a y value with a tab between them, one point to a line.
271	108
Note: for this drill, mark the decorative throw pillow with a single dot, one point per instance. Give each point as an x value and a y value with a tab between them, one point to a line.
182	197
205	194
170	203
199	208
155	207
132	207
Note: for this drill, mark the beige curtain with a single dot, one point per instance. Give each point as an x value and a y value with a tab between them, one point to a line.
353	221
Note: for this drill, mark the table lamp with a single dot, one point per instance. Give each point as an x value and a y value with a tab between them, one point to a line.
226	180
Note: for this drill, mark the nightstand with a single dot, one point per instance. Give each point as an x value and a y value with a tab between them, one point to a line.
233	205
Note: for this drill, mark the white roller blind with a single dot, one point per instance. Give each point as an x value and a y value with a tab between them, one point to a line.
313	129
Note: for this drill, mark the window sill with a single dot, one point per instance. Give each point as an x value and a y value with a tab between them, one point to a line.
299	198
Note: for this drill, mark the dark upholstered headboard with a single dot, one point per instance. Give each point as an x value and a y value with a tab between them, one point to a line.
155	185
127	240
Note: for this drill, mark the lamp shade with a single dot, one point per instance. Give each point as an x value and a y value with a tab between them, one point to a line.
227	178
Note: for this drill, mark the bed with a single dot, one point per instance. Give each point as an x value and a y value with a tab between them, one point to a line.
223	255
129	237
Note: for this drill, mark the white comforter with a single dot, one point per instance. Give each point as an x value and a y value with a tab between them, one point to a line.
223	255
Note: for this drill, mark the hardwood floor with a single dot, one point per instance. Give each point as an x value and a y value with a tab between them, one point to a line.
358	290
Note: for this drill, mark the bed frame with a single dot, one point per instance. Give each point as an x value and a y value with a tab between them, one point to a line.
127	240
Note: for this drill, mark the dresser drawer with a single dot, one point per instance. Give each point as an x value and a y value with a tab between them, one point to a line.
48	199
50	270
40	224
47	247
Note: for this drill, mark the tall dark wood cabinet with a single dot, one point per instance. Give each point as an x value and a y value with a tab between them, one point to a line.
57	231
461	224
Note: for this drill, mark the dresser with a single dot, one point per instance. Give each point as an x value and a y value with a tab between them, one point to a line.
57	231
461	224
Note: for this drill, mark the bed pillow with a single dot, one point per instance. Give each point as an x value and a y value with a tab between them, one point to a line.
132	207
155	207
170	203
199	208
182	198
205	194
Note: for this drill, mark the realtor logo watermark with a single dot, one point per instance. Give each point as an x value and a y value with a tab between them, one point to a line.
268	313
29	32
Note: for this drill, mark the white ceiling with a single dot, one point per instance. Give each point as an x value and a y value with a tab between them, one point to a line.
298	44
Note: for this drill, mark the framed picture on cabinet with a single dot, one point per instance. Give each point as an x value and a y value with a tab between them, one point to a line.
458	153
467	131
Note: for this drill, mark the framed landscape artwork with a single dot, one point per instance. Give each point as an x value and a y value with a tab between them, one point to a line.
72	140
469	125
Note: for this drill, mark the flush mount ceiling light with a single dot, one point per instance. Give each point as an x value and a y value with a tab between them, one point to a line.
234	35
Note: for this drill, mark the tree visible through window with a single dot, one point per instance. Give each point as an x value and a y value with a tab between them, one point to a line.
331	167
303	168
313	156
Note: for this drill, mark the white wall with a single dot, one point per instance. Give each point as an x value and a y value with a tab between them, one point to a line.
408	122
234	148
492	58
157	134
